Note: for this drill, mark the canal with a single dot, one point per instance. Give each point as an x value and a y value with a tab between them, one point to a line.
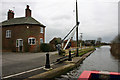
100	60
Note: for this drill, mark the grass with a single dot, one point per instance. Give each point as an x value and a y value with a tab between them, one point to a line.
81	51
84	51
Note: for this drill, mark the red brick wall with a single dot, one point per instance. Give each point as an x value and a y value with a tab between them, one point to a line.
27	11
22	32
10	14
73	43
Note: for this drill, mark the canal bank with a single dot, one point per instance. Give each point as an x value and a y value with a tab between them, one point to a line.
100	60
61	68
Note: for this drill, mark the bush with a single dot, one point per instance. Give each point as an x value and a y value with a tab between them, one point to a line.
52	47
44	47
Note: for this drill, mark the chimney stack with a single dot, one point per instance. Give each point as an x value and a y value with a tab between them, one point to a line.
27	12
10	14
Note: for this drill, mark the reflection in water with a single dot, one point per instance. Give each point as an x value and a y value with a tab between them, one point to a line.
100	60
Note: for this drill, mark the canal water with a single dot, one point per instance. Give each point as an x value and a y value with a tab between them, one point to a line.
100	60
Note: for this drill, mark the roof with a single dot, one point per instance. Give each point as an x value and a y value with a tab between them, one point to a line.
21	20
55	40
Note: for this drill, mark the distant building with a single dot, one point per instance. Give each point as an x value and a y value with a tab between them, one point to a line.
72	43
23	33
90	42
55	41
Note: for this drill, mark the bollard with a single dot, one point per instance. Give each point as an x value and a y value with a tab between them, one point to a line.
47	61
70	59
59	52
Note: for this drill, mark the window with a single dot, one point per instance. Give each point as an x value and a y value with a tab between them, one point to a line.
8	34
41	29
31	41
41	40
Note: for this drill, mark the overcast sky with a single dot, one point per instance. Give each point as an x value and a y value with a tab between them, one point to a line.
98	18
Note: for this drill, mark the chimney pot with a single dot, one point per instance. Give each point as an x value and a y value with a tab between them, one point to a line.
27	6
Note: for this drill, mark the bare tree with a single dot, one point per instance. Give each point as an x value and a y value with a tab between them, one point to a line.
116	39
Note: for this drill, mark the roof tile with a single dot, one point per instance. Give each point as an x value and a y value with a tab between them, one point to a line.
21	20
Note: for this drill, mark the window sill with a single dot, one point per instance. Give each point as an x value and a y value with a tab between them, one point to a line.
8	37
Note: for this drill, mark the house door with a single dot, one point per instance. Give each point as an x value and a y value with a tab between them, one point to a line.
19	44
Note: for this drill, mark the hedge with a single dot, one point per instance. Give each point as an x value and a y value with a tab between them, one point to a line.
45	47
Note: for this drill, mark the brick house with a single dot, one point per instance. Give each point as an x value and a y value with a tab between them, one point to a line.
72	43
23	34
55	41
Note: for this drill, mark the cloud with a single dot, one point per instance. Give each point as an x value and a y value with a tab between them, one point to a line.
98	18
61	17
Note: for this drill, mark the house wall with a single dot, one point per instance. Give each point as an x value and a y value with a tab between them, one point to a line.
22	32
73	43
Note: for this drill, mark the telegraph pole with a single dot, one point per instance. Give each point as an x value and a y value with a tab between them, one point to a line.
77	27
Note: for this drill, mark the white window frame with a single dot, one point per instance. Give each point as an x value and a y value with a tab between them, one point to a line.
41	30
8	33
31	41
40	40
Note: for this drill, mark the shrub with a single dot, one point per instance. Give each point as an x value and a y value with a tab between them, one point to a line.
52	47
44	47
